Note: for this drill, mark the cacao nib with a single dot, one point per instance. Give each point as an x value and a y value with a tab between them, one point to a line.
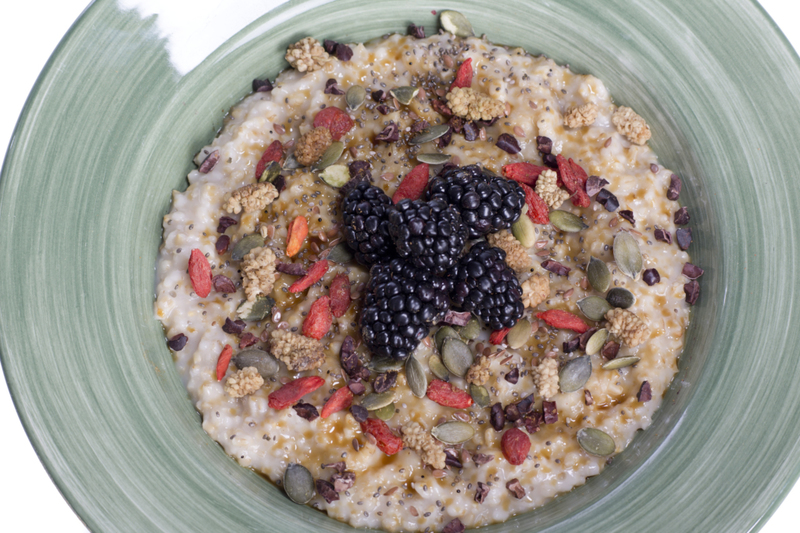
497	417
379	96
627	214
293	269
343	52
279	183
515	487
178	342
550	412
663	236
532	422
587	397
384	109
234	328
326	490
350	362
487	123
332	88
453	526
359	413
390	133
262	86
209	162
444	140
644	394
482	492
692	271
225	223
674	189
512	413
440	107
223	284
692	290
455	318
550	160
356	387
583	338
330	46
610	350
415	31
451	458
572	344
508	143
607	200
384	382
359	169
682	216
419	126
555	267
344	481
222	244
525	405
456	124
513	376
481	458
470	131
306	410
651	276
544	144
246	340
594	184
339	466
683	236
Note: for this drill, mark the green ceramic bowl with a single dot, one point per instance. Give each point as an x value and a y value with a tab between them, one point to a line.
120	110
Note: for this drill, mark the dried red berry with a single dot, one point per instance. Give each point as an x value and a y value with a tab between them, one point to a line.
336	120
463	75
223	361
290	393
339	400
388	442
274	152
573	181
414	184
200	273
538	210
526	173
562	320
498	336
516	445
315	274
340	295
448	395
319	319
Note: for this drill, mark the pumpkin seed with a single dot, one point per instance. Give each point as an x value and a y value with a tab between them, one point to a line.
627	254
596	442
383	363
519	334
262	361
438	368
598	274
405	94
256	310
243	247
566	221
524	230
456	356
298	483
374	401
453	432
331	155
433	159
480	395
596	341
355	96
335	175
433	133
456	23
415	376
620	362
442	333
386	412
619	297
471	330
594	307
341	254
291	163
272	171
574	375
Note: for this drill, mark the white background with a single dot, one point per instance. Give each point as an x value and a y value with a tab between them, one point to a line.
29	32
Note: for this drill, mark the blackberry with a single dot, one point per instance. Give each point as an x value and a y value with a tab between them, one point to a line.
487	203
365	212
401	303
429	234
484	285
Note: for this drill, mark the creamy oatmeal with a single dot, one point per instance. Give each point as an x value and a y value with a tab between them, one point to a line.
410	413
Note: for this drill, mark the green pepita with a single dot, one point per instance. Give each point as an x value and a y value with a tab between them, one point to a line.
382	363
374	401
335	175
298	483
243	247
433	133
596	341
566	221
621	362
453	432
291	163
433	159
405	94
598	274
262	361
386	412
442	333
256	310
471	330
415	376
619	297
272	171
330	156
575	373
627	254
355	96
341	254
456	356
480	395
438	368
456	23
594	307
519	334
524	230
596	442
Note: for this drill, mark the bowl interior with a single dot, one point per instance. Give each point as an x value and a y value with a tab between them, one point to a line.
89	176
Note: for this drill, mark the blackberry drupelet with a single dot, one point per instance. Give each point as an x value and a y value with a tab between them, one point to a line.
487	203
401	303
486	286
366	224
429	234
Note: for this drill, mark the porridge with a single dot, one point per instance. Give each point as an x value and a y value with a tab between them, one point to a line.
426	283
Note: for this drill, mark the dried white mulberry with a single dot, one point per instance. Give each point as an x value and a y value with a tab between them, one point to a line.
516	256
627	326
535	290
243	382
307	55
545	377
422	442
312	145
472	105
631	125
580	116
258	272
299	353
547	187
478	373
253	197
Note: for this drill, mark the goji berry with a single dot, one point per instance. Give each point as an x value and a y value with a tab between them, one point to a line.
200	273
516	445
463	75
572	182
339	400
315	274
340	295
388	442
274	152
563	320
336	120
414	184
578	172
498	336
296	233
319	319
538	210
223	361
448	395
290	393
526	173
